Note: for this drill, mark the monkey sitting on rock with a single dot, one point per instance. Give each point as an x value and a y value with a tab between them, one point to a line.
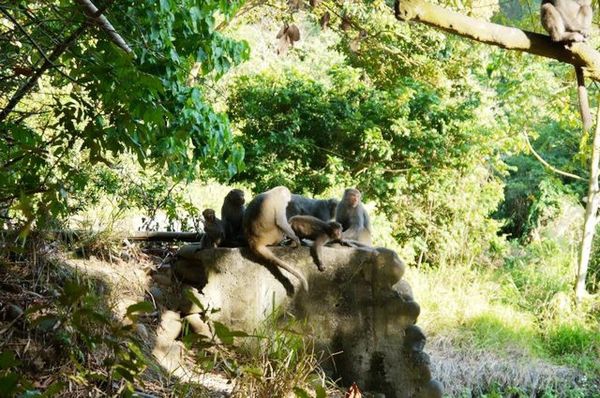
214	230
232	214
323	209
265	223
354	218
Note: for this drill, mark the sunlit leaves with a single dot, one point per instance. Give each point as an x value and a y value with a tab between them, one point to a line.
121	104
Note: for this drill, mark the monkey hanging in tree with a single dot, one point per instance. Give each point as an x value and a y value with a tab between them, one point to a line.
570	21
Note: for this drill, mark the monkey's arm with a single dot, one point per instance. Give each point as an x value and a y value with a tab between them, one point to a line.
281	222
317	250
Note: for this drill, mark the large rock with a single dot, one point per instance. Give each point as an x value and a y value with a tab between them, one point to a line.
359	305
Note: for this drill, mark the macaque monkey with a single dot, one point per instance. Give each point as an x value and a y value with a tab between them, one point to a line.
323	209
346	23
324	21
232	214
570	21
353	216
320	232
265	223
214	231
288	34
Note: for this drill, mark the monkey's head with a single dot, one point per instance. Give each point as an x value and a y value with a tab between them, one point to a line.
236	197
352	197
284	193
335	230
209	215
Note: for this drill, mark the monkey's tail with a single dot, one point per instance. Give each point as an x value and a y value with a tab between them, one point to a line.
268	255
584	106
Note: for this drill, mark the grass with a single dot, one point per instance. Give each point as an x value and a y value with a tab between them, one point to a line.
515	327
278	361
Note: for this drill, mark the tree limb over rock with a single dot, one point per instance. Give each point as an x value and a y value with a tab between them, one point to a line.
577	54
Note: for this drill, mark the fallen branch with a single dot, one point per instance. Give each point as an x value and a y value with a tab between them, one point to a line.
577	54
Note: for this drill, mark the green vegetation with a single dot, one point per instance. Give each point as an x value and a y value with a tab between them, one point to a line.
432	129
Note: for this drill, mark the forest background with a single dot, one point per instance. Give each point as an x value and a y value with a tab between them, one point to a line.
435	131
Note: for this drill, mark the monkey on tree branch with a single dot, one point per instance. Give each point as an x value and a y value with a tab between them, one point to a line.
570	21
567	21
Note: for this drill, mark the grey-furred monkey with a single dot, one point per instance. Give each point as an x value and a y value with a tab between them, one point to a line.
319	231
323	209
232	214
570	21
354	218
214	231
265	223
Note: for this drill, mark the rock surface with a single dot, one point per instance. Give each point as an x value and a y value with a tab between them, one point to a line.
358	306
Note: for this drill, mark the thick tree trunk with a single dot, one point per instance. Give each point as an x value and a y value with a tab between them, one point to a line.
578	54
591	209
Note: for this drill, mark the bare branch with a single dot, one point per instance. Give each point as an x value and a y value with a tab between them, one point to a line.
93	13
33	42
577	54
24	89
548	165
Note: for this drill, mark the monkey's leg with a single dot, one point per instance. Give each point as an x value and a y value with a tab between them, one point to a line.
553	22
266	254
284	226
584	106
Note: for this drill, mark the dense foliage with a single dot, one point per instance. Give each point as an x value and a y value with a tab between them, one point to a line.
433	129
97	102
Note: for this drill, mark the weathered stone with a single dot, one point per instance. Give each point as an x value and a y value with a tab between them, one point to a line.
433	389
359	305
197	325
162	279
170	325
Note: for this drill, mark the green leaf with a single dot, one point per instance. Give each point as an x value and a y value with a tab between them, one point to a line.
8	360
135	309
8	384
320	392
300	393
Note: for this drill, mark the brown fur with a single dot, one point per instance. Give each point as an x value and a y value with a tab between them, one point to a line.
570	21
354	218
265	223
214	230
232	214
319	231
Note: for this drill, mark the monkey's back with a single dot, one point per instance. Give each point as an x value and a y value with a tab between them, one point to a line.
259	222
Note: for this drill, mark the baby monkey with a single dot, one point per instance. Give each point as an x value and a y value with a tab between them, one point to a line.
214	230
319	231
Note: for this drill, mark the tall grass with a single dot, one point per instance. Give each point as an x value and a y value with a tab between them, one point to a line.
518	318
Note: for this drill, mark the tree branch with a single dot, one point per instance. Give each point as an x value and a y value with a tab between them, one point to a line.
57	52
33	42
577	54
93	13
548	165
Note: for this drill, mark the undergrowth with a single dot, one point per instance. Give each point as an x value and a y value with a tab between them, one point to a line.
521	311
